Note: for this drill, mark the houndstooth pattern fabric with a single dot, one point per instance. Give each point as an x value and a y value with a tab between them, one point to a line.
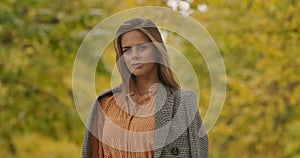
177	126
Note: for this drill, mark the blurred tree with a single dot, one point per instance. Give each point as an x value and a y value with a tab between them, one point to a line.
259	42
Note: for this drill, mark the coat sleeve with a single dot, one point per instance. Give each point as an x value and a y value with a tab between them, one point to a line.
197	133
91	147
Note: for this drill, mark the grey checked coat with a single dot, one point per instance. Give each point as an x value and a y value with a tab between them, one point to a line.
179	129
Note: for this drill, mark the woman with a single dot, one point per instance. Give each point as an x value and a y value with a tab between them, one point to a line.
148	115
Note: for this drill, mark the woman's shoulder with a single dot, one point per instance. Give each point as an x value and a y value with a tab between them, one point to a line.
107	97
185	93
109	92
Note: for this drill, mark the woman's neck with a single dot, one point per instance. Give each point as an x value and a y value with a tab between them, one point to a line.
142	84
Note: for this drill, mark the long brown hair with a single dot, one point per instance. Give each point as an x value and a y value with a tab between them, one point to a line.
147	27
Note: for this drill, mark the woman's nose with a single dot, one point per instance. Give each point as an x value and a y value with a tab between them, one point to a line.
135	53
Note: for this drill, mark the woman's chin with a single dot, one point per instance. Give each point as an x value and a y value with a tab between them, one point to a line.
137	73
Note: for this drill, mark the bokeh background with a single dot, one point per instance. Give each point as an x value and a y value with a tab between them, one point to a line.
258	39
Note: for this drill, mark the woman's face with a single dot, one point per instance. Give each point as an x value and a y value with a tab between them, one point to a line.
138	53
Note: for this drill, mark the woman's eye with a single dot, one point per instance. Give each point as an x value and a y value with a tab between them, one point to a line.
127	51
142	47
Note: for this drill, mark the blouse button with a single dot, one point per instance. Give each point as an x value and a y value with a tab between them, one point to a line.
175	151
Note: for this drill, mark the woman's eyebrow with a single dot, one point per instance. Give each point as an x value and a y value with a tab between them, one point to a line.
126	47
135	45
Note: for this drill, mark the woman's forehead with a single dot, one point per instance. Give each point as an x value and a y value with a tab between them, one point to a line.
133	38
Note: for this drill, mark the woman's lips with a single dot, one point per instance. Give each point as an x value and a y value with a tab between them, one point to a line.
136	65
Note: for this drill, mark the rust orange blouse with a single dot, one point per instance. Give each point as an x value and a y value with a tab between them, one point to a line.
128	130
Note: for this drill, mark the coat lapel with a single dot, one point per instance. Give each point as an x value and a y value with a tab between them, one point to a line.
163	117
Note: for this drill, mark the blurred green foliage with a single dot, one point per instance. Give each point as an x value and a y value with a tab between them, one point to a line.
259	42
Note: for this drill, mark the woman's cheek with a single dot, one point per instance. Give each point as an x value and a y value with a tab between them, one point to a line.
127	63
147	56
